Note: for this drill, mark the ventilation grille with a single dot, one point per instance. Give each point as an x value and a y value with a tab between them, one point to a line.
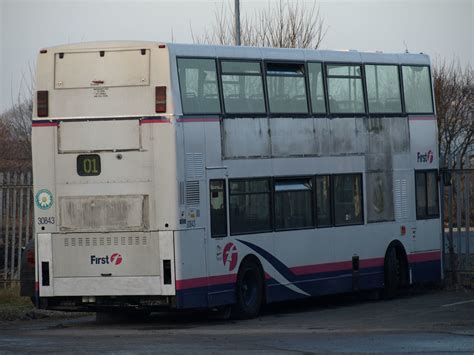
194	165
105	241
192	193
181	193
401	200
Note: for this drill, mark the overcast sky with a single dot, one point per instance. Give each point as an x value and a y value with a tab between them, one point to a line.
441	28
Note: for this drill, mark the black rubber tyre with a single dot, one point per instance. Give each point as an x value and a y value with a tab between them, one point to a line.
393	277
249	291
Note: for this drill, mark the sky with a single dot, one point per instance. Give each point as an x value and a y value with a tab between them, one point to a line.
444	29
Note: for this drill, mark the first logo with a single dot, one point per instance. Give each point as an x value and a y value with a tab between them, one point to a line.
44	199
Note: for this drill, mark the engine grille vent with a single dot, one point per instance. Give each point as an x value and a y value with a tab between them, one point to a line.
102	241
401	200
194	165
192	193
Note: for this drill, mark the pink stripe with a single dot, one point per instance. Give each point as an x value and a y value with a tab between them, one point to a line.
307	269
45	124
420	257
422	118
154	121
371	262
313	269
205	281
197	120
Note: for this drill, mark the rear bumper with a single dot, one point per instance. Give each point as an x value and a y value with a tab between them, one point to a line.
108	286
108	304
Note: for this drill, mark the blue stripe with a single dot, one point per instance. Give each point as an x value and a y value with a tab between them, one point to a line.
277	264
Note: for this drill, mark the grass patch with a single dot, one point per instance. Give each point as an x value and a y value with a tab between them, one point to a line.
12	305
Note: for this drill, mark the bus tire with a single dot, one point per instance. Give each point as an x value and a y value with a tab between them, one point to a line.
392	274
249	290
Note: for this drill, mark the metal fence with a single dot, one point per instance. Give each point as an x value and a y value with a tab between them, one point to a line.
458	225
16	222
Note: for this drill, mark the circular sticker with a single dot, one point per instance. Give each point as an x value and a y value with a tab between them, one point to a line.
44	199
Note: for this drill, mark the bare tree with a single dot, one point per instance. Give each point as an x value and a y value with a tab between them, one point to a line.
454	94
289	24
15	129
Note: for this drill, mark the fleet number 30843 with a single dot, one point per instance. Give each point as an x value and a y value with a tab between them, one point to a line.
46	220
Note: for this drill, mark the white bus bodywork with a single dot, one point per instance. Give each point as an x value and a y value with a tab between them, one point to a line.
149	207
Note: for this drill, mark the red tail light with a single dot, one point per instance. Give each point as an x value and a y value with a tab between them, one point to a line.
30	257
42	103
160	99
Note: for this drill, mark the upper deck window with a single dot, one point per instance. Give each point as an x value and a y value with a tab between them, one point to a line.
345	91
242	87
286	88
315	72
198	85
383	88
417	89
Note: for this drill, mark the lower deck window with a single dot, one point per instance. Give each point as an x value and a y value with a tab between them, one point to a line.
293	204
218	208
323	201
347	199
249	204
426	194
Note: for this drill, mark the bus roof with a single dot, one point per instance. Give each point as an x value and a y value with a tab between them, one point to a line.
296	54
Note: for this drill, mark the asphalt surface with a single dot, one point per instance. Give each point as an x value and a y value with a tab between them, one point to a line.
420	322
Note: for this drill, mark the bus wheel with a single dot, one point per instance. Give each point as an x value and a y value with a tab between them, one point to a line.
393	274
249	291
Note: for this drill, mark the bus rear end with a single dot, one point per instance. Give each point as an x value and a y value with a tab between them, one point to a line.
98	167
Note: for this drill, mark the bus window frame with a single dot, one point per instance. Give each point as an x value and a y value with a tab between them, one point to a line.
305	76
313	201
427	216
331	114
226	222
331	202
362	201
199	114
400	88
270	197
229	115
325	90
433	106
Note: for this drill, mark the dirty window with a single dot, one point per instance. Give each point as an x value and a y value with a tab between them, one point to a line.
198	85
345	91
383	89
379	187
348	199
293	204
286	87
315	72
249	205
323	201
417	89
218	208
242	87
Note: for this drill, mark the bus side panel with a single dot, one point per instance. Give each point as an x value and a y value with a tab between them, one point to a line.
191	269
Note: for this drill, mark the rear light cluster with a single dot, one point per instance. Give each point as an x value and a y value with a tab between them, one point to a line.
30	257
160	99
42	103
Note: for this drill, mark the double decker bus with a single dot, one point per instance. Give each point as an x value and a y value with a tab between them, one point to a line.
190	176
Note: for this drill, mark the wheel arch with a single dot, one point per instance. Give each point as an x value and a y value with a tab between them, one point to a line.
402	256
252	257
